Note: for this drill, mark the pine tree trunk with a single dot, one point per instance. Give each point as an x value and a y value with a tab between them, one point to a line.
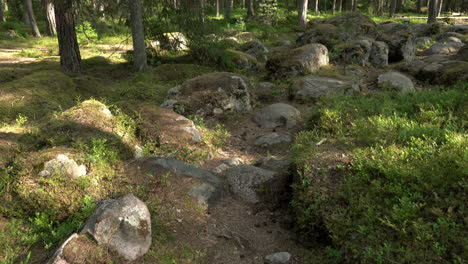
340	5
32	21
2	11
432	17
316	7
393	8
217	8
355	3
439	9
50	18
70	58
250	8
303	5
201	10
334	7
139	47
228	4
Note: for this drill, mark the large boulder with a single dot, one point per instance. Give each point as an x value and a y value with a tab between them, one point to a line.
364	51
462	54
312	87
395	81
273	141
379	54
225	91
449	48
459	28
124	225
245	181
423	30
256	49
326	34
439	69
277	115
356	22
303	60
400	40
243	60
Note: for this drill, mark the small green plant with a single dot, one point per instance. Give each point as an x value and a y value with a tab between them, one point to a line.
30	53
86	33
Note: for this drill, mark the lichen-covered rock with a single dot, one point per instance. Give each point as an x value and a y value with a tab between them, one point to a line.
312	87
277	115
361	24
256	49
78	249
243	60
395	80
303	60
201	95
63	166
326	34
379	54
244	180
272	141
278	258
400	39
449	48
123	225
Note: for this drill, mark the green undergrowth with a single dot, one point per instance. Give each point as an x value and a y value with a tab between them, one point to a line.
400	198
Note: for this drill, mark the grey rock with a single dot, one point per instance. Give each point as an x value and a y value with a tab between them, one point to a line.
313	87
221	168
400	39
448	34
123	225
58	257
459	28
379	54
421	41
277	115
233	161
273	164
256	49
396	80
278	258
271	140
244	180
450	39
303	60
205	193
444	48
63	166
196	135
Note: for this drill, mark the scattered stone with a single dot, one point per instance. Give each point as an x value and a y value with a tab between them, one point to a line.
396	80
400	39
256	49
273	140
227	91
204	193
277	115
123	225
278	258
63	166
233	161
244	180
303	60
221	168
312	87
445	48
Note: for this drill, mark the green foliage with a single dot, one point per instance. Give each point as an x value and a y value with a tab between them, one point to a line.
268	12
214	135
401	199
85	33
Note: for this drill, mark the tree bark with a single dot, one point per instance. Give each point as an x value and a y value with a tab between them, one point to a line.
439	9
228	5
139	47
217	8
334	7
32	21
250	8
340	5
393	8
316	6
303	5
2	12
70	57
432	17
50	18
355	3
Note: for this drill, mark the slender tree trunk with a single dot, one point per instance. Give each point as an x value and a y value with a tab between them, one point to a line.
355	3
2	12
334	7
228	5
316	6
201	10
393	8
139	47
432	17
439	9
217	8
250	8
70	57
419	6
32	21
303	5
340	5
50	18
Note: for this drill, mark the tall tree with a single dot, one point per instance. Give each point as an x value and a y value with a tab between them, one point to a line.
228	5
334	7
217	8
433	9
50	18
139	47
2	12
393	8
250	8
32	21
303	6
70	57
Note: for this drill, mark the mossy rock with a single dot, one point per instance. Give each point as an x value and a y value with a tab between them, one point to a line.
37	95
452	73
92	120
243	60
